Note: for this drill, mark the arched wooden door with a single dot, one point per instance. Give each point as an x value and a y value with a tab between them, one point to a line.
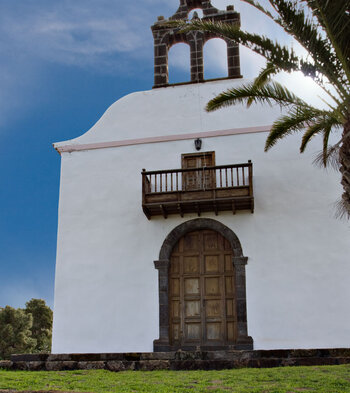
202	306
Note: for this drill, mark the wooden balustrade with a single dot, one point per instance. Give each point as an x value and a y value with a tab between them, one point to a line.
213	188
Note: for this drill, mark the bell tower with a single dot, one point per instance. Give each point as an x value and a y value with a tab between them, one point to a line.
165	37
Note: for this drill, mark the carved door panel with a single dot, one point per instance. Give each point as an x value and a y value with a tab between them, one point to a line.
198	179
201	297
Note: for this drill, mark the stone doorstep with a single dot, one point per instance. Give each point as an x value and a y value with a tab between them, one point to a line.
152	365
185	355
180	360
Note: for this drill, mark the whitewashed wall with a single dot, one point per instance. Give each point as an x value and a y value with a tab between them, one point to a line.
106	293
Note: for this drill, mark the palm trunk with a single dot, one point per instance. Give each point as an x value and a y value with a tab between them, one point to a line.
344	158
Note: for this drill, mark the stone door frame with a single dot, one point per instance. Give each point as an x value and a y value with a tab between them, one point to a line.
244	342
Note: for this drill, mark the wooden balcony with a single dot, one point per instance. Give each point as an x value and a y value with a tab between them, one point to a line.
198	190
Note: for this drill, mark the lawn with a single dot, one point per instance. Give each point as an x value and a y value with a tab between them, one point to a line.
327	379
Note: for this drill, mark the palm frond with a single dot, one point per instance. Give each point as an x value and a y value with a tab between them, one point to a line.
262	79
297	23
295	120
326	132
334	17
324	124
265	75
313	130
271	93
341	210
329	158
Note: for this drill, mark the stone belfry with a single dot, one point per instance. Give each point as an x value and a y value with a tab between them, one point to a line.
165	37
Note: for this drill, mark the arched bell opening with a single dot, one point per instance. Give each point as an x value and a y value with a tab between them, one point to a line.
179	63
202	294
215	59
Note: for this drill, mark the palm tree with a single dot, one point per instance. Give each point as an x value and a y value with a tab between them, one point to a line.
322	27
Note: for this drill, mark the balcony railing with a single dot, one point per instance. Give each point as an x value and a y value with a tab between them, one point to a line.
197	190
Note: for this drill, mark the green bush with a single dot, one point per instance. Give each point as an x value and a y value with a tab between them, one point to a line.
26	330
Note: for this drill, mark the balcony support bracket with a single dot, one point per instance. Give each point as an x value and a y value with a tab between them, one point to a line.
147	214
179	208
215	208
162	208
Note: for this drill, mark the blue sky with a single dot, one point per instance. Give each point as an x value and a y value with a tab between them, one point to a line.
62	64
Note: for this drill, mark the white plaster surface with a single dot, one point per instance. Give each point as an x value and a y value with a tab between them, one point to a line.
106	291
171	111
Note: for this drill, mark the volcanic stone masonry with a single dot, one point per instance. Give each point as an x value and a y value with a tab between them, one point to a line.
165	37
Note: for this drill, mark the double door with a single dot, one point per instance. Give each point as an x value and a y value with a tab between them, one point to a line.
201	292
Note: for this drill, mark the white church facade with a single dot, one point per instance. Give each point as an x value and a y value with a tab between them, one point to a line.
176	230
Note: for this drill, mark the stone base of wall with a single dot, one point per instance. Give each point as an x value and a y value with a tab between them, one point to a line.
180	360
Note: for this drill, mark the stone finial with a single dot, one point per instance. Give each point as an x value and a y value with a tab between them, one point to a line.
230	8
195	15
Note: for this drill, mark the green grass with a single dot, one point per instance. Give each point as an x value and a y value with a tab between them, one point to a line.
327	379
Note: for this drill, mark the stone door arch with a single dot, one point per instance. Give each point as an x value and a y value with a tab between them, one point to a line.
165	342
